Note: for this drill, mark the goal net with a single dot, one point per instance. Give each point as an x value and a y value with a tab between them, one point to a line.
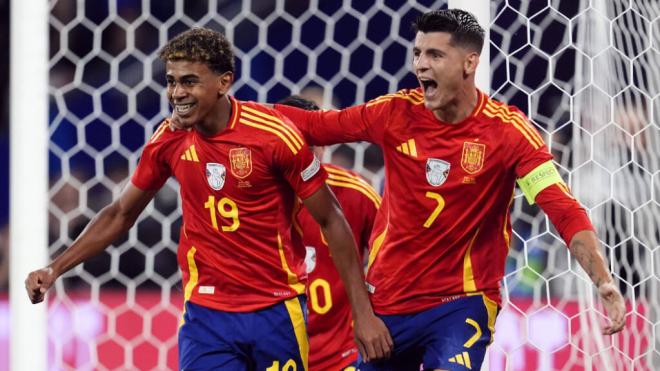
585	72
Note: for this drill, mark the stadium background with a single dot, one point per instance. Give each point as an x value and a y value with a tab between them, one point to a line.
120	310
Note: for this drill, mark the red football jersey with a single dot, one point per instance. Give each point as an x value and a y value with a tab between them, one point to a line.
238	189
443	229
331	342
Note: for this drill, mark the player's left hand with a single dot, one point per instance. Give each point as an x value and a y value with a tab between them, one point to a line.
615	307
372	338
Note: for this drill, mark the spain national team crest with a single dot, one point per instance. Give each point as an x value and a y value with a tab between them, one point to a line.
241	162
437	171
216	174
473	157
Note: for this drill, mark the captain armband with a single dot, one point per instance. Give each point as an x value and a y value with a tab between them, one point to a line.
542	177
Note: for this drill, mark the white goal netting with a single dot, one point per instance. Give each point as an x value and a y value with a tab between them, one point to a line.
585	72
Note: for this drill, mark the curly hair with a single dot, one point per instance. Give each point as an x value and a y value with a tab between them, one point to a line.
463	26
200	45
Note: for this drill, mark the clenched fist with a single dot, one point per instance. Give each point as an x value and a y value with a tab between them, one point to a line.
38	282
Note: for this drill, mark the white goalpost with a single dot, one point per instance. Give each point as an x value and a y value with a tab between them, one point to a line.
28	178
586	73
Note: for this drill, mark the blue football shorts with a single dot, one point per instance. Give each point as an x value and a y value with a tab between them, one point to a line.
450	336
274	338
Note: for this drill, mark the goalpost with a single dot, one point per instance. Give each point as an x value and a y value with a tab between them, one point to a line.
28	178
584	71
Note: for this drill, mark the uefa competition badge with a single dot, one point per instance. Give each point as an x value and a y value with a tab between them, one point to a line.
310	259
216	174
436	171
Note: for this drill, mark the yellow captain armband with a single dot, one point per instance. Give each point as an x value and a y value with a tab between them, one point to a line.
542	177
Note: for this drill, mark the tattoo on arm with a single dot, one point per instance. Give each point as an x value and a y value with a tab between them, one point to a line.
588	259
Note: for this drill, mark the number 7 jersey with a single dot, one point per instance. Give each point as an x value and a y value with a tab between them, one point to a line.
443	228
238	250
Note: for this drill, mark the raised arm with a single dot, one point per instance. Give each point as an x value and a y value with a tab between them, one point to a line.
108	225
372	337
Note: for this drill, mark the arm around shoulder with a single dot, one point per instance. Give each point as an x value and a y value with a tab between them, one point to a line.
320	128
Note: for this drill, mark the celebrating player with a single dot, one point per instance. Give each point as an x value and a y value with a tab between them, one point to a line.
331	343
240	170
442	234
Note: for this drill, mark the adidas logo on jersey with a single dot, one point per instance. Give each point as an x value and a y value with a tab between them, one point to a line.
190	154
462	359
409	148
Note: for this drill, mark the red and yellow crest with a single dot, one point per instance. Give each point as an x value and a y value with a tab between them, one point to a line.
473	157
241	162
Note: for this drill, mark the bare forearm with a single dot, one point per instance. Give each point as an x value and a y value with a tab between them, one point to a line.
584	247
101	231
343	252
371	335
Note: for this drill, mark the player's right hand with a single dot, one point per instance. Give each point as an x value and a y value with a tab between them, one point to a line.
176	124
38	282
372	338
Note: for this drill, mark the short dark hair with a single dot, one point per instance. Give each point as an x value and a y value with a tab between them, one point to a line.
299	102
200	45
463	26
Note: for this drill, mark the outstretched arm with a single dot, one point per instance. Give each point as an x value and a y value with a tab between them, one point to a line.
372	337
573	224
541	183
585	248
108	225
358	123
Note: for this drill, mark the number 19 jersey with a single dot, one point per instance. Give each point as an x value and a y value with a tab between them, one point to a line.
238	251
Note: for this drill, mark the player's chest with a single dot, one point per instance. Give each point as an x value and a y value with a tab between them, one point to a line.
435	157
223	168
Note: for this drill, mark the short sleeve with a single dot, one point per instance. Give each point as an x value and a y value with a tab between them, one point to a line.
297	163
302	170
152	171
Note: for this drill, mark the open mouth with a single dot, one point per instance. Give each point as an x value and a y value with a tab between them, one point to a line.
183	109
429	86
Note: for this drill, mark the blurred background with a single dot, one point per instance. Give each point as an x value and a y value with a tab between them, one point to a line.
4	143
585	72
